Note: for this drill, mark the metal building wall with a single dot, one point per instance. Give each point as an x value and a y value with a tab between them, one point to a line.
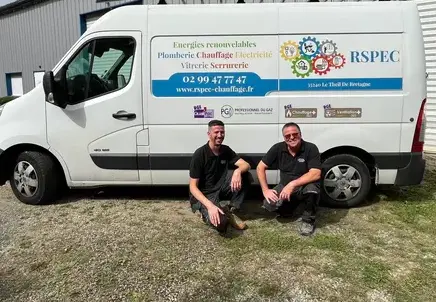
36	38
427	12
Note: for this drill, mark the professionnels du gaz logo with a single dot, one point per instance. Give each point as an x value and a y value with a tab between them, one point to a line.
312	56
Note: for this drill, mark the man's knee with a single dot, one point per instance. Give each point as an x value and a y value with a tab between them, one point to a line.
312	188
221	227
224	222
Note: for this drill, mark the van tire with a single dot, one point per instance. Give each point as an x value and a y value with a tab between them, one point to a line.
42	185
357	190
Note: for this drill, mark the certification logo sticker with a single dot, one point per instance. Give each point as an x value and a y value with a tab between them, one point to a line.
203	112
291	112
227	111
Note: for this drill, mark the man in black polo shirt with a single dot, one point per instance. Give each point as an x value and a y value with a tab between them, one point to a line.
299	164
212	178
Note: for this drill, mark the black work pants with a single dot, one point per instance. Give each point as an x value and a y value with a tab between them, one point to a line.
308	194
223	193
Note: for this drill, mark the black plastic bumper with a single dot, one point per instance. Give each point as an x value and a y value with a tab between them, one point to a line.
410	166
2	176
413	173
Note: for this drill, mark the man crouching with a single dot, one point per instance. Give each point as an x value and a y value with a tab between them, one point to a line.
299	163
212	179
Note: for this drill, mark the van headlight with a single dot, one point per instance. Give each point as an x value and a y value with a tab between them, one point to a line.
1	108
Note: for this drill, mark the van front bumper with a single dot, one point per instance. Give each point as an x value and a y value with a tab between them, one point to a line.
3	177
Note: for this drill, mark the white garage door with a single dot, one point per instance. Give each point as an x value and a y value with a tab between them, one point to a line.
427	12
37	77
91	20
17	84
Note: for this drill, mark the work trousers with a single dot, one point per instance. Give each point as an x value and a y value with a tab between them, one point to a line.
308	194
223	193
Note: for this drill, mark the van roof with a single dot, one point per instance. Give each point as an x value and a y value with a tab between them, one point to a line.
259	18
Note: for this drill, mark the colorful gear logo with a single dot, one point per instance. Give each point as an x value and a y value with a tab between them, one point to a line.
337	61
321	64
289	50
328	48
302	67
309	47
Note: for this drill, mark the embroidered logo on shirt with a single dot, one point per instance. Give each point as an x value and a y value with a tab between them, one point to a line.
301	160
223	162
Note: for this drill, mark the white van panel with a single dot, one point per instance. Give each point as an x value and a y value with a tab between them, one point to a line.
185	139
373	138
212	20
348	17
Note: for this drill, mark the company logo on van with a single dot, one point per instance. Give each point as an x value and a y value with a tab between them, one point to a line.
312	56
375	56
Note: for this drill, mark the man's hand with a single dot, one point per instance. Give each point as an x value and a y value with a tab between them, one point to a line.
236	182
214	214
285	194
271	196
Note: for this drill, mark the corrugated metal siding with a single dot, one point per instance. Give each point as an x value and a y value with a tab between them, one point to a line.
427	11
36	38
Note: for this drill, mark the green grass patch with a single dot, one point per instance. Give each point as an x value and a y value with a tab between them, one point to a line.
4	100
374	273
331	243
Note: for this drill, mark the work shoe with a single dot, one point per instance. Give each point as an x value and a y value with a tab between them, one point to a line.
232	220
235	224
306	228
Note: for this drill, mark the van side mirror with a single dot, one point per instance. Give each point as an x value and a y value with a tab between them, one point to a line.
55	91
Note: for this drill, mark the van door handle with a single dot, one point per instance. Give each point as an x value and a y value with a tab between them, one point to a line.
124	115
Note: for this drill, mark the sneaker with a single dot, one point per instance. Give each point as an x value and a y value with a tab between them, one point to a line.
306	228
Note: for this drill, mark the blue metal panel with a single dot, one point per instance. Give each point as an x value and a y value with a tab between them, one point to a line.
8	84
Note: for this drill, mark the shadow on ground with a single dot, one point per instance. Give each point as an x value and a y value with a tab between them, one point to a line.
250	211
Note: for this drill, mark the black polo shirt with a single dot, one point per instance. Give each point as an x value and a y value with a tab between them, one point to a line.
291	167
211	169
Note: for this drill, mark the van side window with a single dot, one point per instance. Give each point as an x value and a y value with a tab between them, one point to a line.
102	66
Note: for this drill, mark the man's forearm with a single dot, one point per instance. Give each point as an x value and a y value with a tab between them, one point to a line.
309	177
261	175
243	168
200	197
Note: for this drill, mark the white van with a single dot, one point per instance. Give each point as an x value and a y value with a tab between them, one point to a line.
130	101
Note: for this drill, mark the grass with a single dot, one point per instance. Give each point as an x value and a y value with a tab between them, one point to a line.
139	250
4	100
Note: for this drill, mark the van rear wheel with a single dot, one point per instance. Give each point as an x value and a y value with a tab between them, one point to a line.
346	181
35	179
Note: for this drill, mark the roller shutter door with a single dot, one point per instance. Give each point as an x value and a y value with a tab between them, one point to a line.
17	84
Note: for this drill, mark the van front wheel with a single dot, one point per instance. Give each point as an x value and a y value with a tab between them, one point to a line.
35	179
346	181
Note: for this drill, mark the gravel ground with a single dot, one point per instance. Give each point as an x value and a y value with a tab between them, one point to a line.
126	246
